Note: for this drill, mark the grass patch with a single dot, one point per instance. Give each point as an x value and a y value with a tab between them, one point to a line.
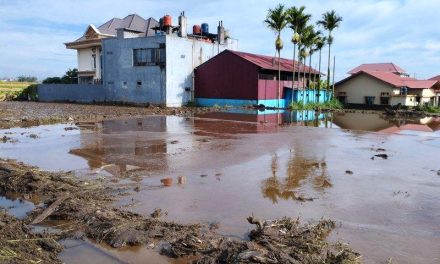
332	104
17	91
428	108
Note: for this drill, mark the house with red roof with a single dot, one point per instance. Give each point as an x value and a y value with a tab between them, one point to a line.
386	84
238	79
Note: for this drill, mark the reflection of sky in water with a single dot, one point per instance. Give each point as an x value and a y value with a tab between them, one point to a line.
256	166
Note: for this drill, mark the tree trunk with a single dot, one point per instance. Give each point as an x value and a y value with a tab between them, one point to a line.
293	71
310	72
279	77
328	66
319	80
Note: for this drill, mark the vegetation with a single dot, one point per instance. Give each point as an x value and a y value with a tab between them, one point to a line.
330	21
306	39
276	20
428	108
17	91
333	104
70	77
23	78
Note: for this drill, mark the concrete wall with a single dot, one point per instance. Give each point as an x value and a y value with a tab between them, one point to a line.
81	93
361	86
85	61
121	77
183	56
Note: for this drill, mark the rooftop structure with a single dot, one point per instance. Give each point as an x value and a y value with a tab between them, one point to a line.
380	67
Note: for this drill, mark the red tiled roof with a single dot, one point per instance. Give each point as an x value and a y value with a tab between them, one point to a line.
396	80
271	63
380	67
436	78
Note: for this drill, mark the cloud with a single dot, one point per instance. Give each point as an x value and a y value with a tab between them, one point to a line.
401	31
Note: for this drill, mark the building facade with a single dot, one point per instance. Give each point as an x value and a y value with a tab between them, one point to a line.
237	78
379	87
138	61
89	45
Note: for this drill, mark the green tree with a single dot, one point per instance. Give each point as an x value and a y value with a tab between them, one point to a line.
330	21
70	77
297	20
276	20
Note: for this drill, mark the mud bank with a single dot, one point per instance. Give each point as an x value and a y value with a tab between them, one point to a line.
14	114
85	208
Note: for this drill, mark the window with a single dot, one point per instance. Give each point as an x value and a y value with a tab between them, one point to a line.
94	61
149	57
384	100
124	85
403	91
138	84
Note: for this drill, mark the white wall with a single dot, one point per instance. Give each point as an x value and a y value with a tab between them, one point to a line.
85	61
183	55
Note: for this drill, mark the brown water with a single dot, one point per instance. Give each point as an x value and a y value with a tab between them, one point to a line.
225	167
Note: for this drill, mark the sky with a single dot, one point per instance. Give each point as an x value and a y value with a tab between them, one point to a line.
406	32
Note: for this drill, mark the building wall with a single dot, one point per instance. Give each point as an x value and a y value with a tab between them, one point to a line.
227	76
85	61
361	86
121	77
183	56
81	93
404	100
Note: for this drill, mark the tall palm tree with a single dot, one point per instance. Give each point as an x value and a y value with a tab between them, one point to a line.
330	21
297	20
276	20
320	43
307	37
315	37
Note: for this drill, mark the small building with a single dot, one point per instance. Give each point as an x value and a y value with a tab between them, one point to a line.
239	79
385	85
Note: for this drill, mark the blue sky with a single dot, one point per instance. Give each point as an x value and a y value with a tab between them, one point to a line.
406	32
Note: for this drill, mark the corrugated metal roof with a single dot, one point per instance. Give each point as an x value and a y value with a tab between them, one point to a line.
380	67
271	63
396	80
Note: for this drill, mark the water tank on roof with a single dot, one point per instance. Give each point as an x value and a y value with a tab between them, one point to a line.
205	28
167	21
197	30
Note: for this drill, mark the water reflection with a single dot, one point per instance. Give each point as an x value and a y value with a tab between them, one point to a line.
300	171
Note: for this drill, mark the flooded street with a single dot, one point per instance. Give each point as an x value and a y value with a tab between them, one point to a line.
378	179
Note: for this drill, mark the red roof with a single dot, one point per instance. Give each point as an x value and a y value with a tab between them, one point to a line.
396	80
271	63
379	67
436	78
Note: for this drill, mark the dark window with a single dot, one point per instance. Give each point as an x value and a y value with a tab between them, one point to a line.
369	100
384	100
139	83
149	57
94	61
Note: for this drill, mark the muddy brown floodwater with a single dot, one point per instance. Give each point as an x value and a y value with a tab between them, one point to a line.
219	168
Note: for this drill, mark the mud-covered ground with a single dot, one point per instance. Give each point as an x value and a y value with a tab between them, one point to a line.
13	114
84	207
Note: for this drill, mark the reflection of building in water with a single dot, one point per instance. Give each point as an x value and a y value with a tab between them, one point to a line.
300	171
124	145
376	123
267	120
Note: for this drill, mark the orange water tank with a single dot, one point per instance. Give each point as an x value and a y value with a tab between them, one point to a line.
197	30
167	21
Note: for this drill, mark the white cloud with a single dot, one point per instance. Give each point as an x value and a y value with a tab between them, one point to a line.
401	31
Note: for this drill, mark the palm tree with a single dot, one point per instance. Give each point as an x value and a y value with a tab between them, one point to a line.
320	43
276	20
297	20
308	36
315	37
330	21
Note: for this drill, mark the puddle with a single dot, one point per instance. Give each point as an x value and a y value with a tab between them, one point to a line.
16	207
219	168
